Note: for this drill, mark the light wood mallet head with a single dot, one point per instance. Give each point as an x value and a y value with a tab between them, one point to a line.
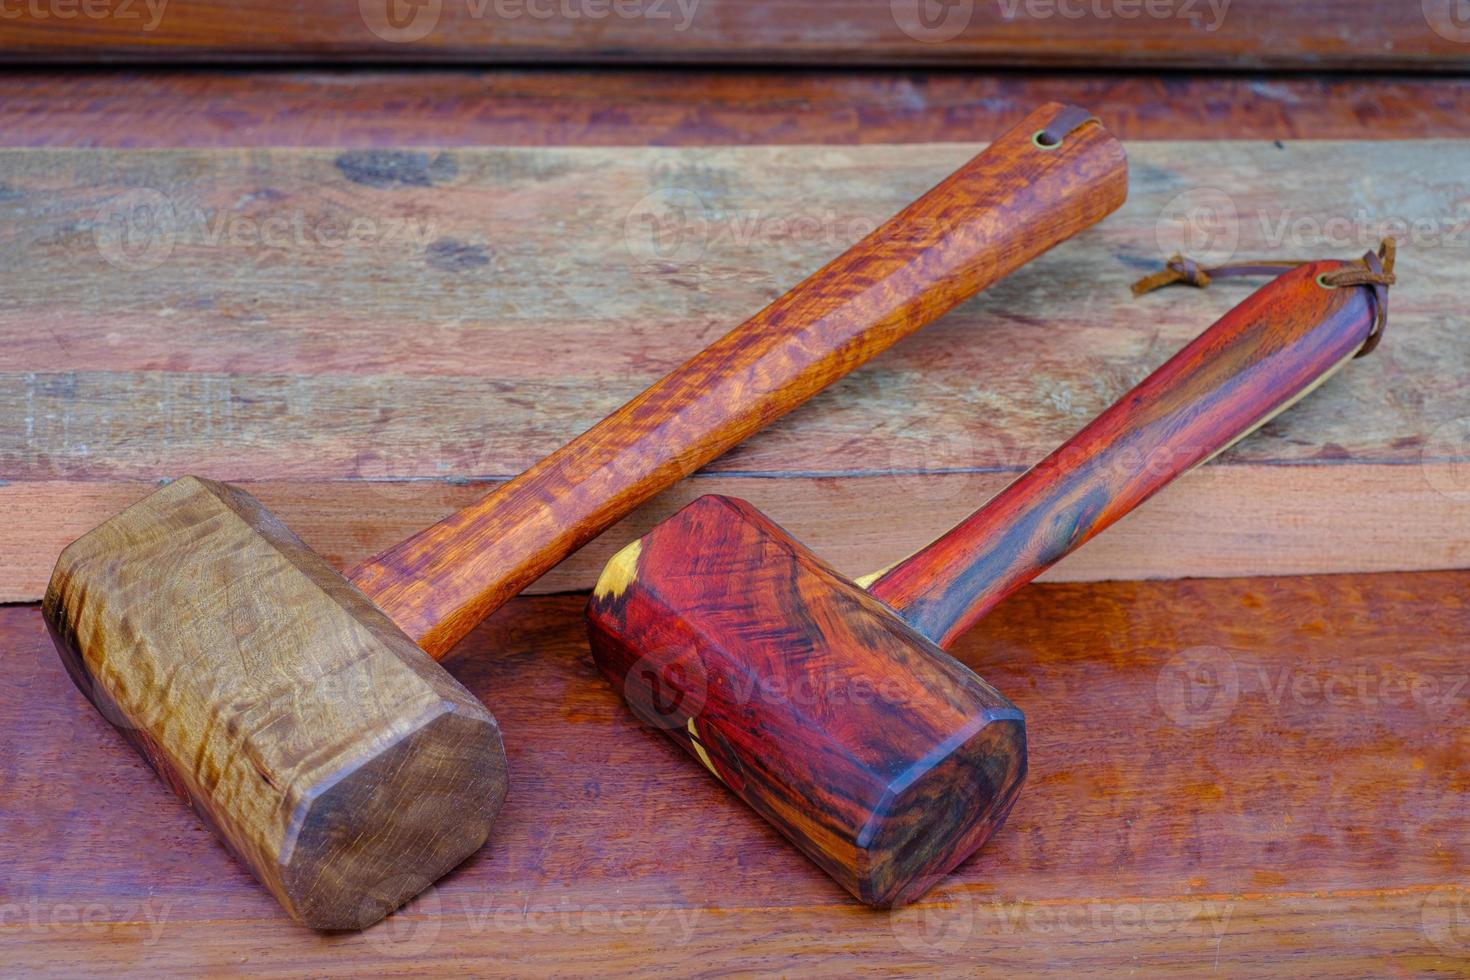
831	708
335	758
298	710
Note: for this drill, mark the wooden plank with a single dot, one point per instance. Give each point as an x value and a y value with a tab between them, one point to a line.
1312	810
493	303
1220	521
509	107
1193	34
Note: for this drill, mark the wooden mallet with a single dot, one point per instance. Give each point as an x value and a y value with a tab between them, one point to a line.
829	706
295	708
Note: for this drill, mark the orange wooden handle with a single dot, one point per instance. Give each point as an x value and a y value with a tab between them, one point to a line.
1272	349
1009	204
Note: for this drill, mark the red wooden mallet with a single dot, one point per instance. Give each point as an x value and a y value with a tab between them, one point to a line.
831	708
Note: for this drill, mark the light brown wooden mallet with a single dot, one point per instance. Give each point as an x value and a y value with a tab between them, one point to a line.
298	710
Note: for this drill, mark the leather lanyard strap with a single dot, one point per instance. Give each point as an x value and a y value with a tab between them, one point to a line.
1374	270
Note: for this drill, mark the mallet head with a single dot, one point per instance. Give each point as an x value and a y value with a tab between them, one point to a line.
880	756
336	759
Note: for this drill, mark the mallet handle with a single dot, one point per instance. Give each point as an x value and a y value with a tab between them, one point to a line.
1256	361
1009	204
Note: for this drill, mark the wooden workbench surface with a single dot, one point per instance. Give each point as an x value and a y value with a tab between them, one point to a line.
368	338
1227	776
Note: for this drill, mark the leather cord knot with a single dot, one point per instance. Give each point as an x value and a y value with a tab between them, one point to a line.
1374	270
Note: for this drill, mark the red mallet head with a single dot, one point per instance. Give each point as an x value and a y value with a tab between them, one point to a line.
878	754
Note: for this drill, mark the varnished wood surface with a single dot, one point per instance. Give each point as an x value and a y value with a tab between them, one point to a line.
632	107
342	766
366	390
1012	202
1313	812
1280	344
1300	34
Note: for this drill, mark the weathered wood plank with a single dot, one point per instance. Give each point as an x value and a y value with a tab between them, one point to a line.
1193	34
1236	520
1332	934
520	298
1312	809
634	107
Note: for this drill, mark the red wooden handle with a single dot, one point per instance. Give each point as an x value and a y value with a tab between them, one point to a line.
1263	355
1014	201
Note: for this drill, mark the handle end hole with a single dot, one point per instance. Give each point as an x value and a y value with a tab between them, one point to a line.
1044	140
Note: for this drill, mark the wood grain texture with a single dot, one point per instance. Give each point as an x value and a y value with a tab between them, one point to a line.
1313	812
878	755
365	108
840	719
335	760
1011	203
1219	520
1278	345
1315	34
369	389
